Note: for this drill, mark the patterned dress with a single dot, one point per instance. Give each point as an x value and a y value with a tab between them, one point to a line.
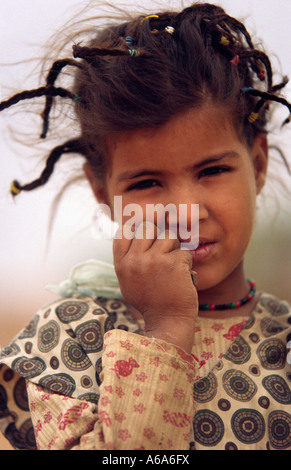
82	376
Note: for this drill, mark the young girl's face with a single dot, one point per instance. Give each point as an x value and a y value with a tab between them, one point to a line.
195	158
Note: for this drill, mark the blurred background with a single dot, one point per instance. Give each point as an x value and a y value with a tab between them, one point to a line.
43	236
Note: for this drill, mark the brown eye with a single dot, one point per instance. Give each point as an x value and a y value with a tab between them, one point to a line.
144	184
214	171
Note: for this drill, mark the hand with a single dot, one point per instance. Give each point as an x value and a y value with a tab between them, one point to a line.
155	278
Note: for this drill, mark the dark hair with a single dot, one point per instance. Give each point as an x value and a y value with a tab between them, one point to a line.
143	71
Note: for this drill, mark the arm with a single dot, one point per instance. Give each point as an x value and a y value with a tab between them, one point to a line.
145	401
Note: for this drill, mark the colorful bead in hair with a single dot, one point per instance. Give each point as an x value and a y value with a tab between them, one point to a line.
235	60
170	29
129	40
224	41
14	188
133	52
253	117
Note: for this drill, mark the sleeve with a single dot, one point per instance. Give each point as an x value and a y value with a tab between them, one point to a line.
146	401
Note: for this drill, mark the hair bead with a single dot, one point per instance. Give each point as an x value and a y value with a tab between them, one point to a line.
14	188
170	29
253	117
224	41
148	17
235	60
133	52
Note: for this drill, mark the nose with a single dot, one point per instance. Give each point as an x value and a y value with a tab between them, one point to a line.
191	210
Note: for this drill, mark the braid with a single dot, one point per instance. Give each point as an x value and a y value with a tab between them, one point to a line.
72	146
90	53
29	94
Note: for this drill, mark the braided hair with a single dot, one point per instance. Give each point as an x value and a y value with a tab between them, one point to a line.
143	71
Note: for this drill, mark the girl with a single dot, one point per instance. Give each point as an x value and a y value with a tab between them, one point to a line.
173	109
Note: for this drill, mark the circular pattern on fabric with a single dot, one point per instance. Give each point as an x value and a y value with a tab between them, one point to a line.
254	337
3	399
73	356
277	388
239	352
48	336
29	368
54	363
30	330
86	381
98	370
28	347
223	404
264	402
59	383
71	310
205	389
274	306
271	353
20	394
270	327
10	350
238	385
208	428
89	335
91	397
248	425
27	433
230	446
254	370
280	429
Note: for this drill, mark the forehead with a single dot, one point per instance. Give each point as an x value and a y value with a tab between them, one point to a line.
200	132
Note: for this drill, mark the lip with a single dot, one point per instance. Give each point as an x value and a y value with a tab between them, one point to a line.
204	250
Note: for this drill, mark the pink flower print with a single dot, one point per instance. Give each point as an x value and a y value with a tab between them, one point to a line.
108	388
163	377
119	391
155	361
104	401
72	415
141	377
234	330
206	355
208	341
119	417
124	368
179	420
179	393
217	327
124	434
148	432
159	397
137	392
104	418
47	417
126	344
145	342
140	408
37	428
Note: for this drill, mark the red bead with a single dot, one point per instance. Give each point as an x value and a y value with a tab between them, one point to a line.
249	296
211	306
237	304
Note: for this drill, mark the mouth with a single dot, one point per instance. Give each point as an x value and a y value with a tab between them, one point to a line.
203	250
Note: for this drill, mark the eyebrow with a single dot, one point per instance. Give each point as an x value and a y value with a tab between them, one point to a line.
130	175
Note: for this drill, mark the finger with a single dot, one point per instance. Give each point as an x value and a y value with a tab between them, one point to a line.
121	245
167	241
144	237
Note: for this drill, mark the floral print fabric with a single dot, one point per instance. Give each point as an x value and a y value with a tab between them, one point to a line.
94	382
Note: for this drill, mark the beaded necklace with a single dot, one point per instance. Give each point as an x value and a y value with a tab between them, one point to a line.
236	304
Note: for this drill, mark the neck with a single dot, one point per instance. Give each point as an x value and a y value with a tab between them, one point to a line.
231	289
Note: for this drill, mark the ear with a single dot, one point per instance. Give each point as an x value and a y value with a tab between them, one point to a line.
98	188
260	160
